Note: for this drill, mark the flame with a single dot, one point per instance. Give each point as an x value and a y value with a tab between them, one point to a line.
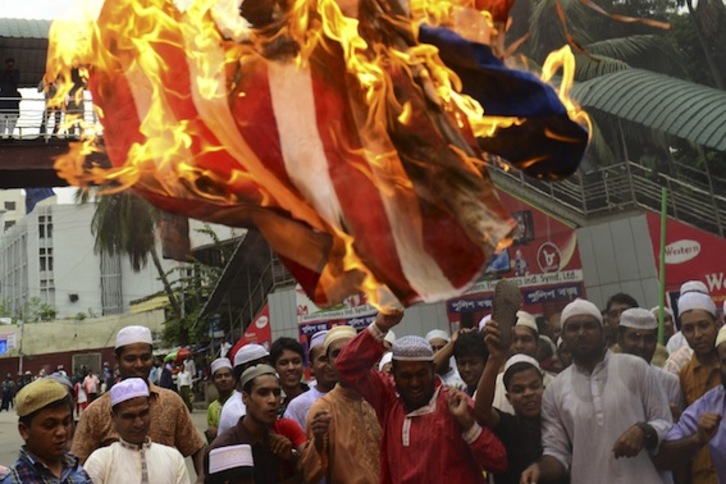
124	38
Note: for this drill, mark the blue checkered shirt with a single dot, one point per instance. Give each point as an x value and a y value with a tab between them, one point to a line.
27	469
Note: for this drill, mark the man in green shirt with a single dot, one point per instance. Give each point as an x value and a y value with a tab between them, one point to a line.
224	380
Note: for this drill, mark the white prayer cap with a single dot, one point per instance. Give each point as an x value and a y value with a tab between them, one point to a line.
520	358
483	321
128	389
638	318
696	300
387	358
656	311
412	348
390	337
220	363
580	307
317	339
437	334
133	334
253	372
230	457
694	286
721	336
527	320
250	352
339	332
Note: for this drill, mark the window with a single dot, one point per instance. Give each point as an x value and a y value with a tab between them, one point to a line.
46	259
41	231
10	206
9	224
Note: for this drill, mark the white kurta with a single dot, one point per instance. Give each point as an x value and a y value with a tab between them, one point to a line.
584	414
123	463
672	386
232	411
299	406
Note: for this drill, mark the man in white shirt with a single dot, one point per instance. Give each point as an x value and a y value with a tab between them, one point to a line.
184	384
603	414
438	340
135	458
249	355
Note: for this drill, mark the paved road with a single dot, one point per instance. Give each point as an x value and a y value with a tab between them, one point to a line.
10	440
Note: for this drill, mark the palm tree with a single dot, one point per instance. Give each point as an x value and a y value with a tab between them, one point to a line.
125	224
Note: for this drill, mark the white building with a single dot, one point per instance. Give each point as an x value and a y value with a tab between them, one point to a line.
12	208
49	254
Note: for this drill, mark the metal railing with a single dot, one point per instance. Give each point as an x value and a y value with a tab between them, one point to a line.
33	121
625	186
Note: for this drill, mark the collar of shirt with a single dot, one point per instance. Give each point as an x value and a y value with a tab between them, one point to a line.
154	390
130	446
598	367
28	460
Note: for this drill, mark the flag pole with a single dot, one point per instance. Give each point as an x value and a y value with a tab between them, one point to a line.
663	220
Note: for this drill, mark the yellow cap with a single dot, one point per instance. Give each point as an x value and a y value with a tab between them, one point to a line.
37	395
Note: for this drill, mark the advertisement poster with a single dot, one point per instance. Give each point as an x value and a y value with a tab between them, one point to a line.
257	332
690	254
543	260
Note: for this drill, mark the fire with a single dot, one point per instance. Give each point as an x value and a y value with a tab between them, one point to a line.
171	80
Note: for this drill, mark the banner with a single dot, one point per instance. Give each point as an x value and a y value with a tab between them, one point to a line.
257	332
690	254
543	260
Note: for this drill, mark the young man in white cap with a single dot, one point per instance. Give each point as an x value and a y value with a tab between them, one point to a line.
274	457
325	380
343	427
700	326
683	354
171	423
638	336
701	425
45	411
438	340
520	431
525	341
134	457
417	412
233	409
601	416
224	381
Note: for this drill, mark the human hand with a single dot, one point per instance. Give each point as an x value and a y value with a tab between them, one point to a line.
492	340
630	443
281	446
320	426
707	427
389	319
531	474
459	408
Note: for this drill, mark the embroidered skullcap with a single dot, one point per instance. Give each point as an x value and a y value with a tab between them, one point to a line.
390	337
437	334
133	334
580	307
520	358
38	395
128	389
638	318
220	363
387	358
317	339
483	321
339	332
412	348
656	311
696	300
230	457
721	336
250	352
694	286
527	320
254	371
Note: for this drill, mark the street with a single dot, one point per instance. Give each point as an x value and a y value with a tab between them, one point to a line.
10	440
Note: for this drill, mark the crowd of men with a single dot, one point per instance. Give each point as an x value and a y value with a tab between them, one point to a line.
594	400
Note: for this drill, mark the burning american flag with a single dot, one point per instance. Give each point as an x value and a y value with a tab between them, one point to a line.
352	134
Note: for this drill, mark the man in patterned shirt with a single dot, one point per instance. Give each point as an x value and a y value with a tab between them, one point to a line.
171	423
44	408
224	381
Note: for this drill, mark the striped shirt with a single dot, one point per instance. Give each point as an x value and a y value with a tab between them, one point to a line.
28	469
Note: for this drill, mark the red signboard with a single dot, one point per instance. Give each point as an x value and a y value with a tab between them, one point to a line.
690	254
257	332
543	260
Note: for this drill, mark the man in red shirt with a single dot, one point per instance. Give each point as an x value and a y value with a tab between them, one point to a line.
428	428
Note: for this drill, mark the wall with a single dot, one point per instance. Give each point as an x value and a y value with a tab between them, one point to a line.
617	256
